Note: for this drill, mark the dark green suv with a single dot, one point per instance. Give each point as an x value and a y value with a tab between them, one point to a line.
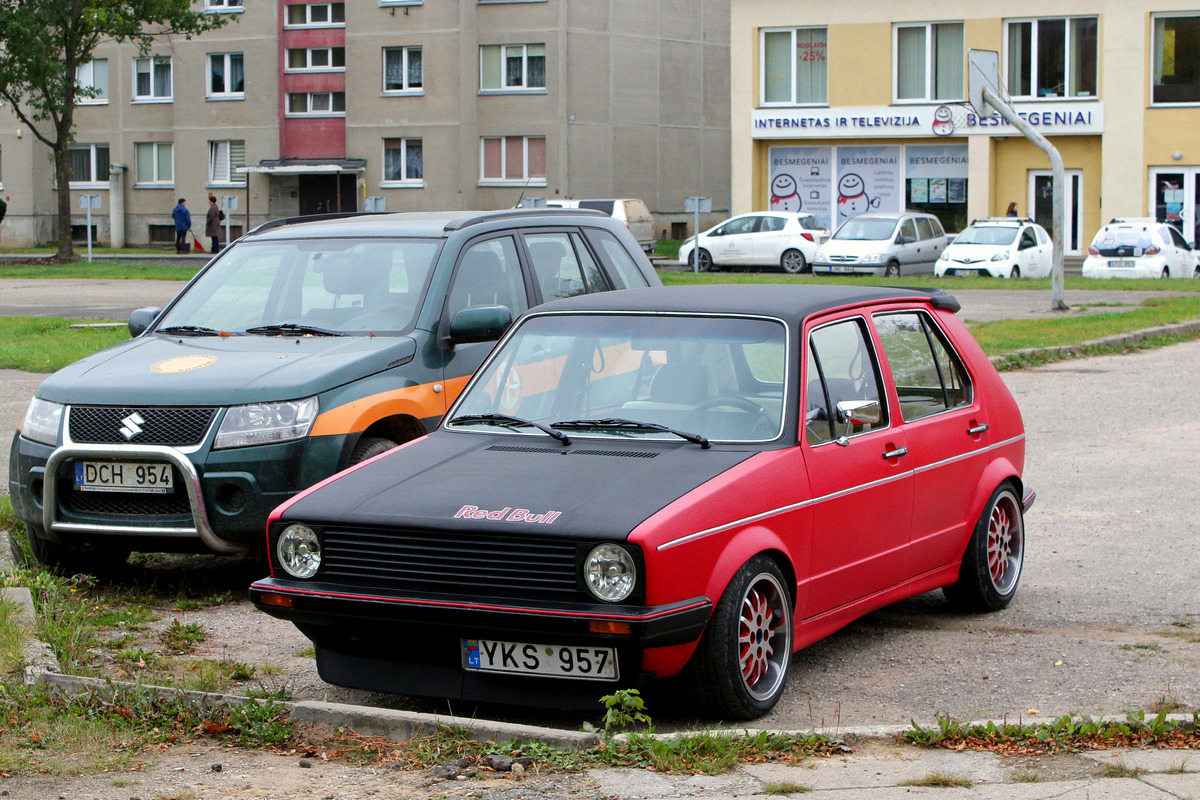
307	346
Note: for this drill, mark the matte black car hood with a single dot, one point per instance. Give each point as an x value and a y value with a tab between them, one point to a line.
223	370
517	484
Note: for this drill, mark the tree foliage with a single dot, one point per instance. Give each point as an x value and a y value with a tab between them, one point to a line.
44	42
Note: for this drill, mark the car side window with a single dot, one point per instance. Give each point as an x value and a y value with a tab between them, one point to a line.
925	228
631	277
929	376
558	269
909	230
743	225
772	224
842	377
936	224
489	274
1177	238
1027	239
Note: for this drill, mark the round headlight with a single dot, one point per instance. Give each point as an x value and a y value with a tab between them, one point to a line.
610	573
299	551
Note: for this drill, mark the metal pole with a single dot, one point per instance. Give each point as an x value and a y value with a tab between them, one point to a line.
1058	200
89	229
696	239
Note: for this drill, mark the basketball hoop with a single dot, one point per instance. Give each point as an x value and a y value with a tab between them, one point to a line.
962	117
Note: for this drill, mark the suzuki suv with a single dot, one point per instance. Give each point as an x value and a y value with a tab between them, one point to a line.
307	346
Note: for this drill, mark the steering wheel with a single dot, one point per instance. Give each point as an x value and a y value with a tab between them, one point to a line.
731	401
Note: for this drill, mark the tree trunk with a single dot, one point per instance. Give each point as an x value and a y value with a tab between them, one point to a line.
62	180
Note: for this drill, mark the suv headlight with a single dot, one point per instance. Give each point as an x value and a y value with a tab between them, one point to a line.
299	551
610	573
266	423
42	420
1001	256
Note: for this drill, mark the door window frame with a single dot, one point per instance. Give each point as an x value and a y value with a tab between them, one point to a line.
1074	207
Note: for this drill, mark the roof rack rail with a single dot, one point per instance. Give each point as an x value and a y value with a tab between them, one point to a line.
279	223
458	223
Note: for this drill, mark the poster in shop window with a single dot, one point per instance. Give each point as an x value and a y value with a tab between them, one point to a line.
937	190
918	191
868	179
800	180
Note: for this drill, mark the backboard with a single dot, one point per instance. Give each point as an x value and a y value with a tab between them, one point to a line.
983	69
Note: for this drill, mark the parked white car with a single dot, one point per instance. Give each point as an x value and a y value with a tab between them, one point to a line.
1000	247
764	239
1139	248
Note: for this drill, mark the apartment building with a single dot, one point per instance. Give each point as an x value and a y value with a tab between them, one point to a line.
312	107
875	89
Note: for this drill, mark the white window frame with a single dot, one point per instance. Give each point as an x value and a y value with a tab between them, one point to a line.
229	95
525	179
92	184
1155	57
88	69
222	150
386	3
154	98
406	182
308	59
406	51
309	99
157	181
762	68
1033	59
224	6
524	88
930	64
308	9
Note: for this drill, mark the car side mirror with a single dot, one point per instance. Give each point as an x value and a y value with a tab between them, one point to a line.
141	319
905	240
858	412
479	324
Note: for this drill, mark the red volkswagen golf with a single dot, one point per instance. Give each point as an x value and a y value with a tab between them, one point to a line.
638	484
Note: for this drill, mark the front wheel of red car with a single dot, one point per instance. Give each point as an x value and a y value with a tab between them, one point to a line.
991	567
740	667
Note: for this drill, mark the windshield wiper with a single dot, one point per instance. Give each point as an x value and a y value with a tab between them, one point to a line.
632	424
286	328
505	419
189	330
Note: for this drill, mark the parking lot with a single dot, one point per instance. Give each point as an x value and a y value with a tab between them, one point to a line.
1108	614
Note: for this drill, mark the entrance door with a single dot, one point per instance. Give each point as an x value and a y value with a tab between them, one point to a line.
319	194
1041	203
1174	196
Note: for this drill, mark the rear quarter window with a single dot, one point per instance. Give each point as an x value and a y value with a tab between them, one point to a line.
627	271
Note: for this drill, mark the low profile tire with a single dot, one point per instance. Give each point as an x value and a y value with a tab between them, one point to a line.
740	667
793	262
991	567
892	270
706	262
369	447
92	558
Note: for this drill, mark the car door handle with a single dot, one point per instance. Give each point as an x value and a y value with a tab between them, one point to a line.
899	451
978	429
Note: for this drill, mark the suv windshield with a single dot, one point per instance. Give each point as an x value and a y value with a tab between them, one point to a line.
635	376
309	286
987	235
859	228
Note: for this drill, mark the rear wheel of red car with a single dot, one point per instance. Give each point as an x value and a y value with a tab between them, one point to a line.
991	567
740	667
369	447
793	262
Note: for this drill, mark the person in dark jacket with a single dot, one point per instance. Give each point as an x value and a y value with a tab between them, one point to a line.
212	223
183	224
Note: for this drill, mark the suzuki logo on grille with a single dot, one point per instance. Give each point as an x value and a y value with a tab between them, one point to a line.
131	425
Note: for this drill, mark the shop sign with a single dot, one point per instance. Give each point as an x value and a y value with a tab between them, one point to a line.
1050	119
802	180
868	179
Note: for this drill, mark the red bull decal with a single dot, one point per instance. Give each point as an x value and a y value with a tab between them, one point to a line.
507	514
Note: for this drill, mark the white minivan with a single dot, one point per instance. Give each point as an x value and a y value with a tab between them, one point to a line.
883	244
634	213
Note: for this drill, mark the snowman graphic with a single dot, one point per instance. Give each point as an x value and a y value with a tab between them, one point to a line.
943	121
852	196
784	196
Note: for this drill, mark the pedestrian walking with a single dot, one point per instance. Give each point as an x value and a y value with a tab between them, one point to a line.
183	225
3	209
212	223
1012	210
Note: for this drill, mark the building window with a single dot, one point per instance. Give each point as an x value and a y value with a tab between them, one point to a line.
316	59
226	78
513	160
403	162
152	79
223	160
929	62
92	78
322	104
794	67
1052	58
155	163
89	166
224	5
512	67
1177	59
316	15
403	70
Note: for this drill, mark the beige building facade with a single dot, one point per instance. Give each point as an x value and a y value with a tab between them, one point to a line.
843	107
403	105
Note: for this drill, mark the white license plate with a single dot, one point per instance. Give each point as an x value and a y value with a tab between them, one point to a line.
152	477
1122	264
550	660
840	268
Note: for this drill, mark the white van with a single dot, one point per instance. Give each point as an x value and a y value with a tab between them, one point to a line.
634	213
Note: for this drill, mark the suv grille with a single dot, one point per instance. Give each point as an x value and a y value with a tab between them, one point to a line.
444	562
171	426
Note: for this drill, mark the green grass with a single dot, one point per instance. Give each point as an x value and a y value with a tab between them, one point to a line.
1071	283
103	270
46	344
